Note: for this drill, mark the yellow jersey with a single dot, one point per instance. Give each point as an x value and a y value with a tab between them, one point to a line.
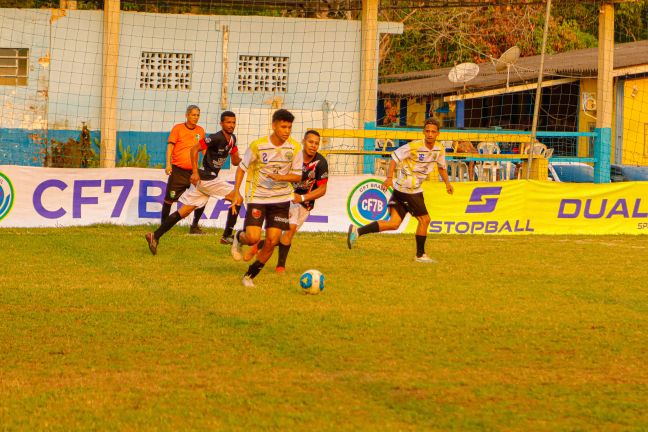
262	158
417	162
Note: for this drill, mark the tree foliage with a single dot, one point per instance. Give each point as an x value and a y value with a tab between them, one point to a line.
436	38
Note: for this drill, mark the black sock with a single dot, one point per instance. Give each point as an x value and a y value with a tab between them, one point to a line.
197	214
231	221
167	224
283	254
368	229
254	269
166	210
420	245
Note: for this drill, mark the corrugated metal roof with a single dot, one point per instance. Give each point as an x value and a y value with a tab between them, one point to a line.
576	63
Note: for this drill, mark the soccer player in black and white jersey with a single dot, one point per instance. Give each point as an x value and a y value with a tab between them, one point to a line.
417	159
205	182
311	187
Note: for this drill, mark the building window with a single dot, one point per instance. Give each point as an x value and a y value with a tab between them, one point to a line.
165	71
13	66
262	74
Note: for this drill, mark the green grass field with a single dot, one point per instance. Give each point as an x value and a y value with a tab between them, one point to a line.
505	333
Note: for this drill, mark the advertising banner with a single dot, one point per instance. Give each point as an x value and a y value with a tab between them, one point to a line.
537	207
52	197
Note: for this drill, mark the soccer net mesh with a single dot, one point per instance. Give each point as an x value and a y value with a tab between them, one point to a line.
253	57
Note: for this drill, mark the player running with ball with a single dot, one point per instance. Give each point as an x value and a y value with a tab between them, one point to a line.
311	187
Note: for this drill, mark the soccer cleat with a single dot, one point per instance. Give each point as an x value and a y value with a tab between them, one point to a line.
152	242
226	240
196	230
280	270
425	259
352	235
237	250
250	253
247	282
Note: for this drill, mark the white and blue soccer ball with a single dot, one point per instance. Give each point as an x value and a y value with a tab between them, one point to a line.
312	282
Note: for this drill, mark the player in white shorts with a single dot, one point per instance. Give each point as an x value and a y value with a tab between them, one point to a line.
205	182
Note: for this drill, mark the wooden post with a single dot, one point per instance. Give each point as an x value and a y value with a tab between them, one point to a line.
109	85
225	79
369	69
604	94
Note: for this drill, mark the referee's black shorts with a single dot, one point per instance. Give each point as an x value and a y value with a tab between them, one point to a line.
179	181
405	203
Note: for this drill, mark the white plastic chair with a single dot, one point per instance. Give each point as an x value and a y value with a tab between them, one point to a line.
488	170
539	149
457	171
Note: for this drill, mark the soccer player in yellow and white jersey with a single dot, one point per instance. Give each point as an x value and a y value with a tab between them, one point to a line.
417	159
272	163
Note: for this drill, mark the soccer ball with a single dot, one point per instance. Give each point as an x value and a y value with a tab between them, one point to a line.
312	282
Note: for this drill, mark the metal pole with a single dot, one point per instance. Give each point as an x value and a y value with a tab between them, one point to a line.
538	101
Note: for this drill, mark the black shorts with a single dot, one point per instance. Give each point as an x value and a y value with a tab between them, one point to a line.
275	215
405	203
179	181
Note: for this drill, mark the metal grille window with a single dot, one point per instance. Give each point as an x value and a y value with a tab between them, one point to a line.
263	74
165	71
14	66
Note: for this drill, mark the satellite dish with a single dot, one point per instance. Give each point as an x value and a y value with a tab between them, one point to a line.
506	60
464	72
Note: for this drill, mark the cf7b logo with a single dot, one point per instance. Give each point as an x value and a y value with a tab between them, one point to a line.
484	199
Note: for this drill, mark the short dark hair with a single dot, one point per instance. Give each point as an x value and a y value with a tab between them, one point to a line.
432	121
283	115
312	132
227	114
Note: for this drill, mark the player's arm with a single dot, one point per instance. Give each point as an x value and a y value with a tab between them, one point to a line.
443	172
248	158
235	156
195	149
295	173
173	139
389	180
292	178
169	152
312	195
444	176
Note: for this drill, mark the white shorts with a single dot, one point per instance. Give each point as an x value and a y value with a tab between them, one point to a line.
198	196
297	214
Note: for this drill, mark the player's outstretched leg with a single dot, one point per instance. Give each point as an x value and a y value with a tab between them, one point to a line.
352	235
232	216
283	256
194	228
254	269
152	242
421	237
250	253
237	249
153	238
